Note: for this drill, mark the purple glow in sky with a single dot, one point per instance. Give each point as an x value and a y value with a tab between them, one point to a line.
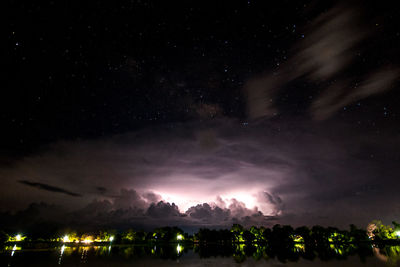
261	114
298	172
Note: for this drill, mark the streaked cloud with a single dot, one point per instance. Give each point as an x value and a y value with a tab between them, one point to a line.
49	188
324	56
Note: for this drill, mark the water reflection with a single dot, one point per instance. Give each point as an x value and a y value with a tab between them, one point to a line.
179	249
61	254
389	254
83	251
12	249
239	253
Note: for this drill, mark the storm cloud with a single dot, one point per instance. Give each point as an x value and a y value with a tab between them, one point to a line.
49	188
298	172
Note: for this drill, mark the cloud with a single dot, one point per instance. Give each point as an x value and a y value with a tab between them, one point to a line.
49	188
129	198
260	94
272	171
213	215
207	111
163	210
274	202
341	94
36	214
101	190
328	44
324	57
151	197
209	215
239	209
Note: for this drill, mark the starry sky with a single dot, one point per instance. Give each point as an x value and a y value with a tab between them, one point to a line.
200	113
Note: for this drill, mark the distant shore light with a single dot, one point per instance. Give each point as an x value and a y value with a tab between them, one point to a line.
66	239
397	233
87	241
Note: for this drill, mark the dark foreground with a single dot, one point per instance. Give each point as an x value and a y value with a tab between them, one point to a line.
194	255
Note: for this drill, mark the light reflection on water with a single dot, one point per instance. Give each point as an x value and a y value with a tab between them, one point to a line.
61	254
189	255
389	254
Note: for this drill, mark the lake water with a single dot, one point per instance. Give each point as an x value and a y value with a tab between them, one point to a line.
179	255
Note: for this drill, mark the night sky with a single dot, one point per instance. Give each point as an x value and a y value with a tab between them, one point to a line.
200	113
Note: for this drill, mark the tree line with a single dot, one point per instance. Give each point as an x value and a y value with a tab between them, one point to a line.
278	235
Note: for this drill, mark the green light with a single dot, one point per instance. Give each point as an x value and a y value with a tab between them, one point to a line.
179	248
